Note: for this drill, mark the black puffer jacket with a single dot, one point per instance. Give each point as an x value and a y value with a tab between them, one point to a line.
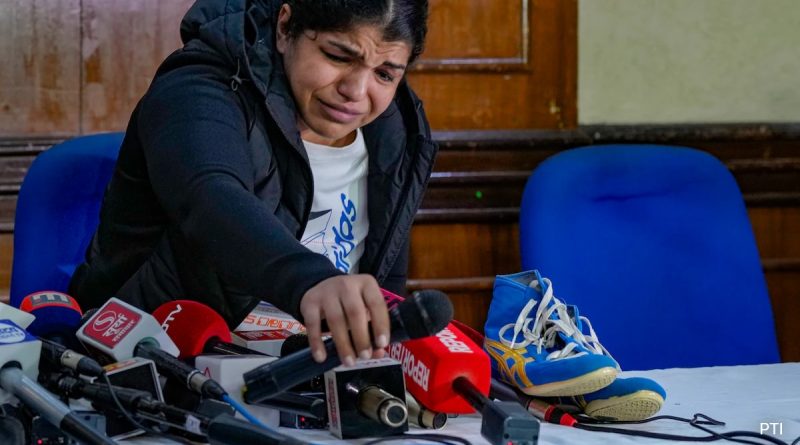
213	187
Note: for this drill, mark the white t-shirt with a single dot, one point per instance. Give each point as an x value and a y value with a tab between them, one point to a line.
338	223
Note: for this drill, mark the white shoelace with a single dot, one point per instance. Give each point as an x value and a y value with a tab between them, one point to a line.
590	341
544	331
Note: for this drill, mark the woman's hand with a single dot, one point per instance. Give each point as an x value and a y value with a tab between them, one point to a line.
347	303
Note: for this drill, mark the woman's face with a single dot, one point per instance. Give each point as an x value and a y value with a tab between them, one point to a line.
340	80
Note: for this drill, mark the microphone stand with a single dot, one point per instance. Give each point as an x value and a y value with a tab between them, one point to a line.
501	422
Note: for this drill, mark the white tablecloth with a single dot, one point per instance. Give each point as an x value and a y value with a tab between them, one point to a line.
744	397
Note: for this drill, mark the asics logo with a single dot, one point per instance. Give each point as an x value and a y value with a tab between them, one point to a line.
501	356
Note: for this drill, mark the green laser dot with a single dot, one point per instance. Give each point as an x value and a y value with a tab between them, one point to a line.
479	194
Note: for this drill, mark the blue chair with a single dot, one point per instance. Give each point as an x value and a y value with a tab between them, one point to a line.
58	211
654	246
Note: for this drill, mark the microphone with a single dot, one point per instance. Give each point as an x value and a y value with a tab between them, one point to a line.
122	331
19	352
502	422
421	315
423	417
297	342
539	408
222	429
57	354
57	314
196	329
57	317
298	404
432	364
20	318
366	399
448	370
379	405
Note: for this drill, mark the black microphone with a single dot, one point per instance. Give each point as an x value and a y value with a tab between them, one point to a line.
19	355
366	399
298	404
421	315
59	355
223	429
292	344
139	402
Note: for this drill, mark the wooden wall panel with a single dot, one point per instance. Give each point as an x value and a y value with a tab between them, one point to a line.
123	44
463	250
39	78
784	287
462	260
467	31
777	232
520	75
6	257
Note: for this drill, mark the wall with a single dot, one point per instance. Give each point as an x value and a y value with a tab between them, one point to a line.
675	61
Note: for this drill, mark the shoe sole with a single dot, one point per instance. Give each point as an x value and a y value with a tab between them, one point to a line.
637	406
591	382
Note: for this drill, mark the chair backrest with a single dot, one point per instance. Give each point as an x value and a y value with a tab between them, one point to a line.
654	246
58	212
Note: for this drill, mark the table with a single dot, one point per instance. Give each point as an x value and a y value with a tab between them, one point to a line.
749	398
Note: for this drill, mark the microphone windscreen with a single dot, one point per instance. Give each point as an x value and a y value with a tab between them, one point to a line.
425	313
294	343
191	325
55	312
432	364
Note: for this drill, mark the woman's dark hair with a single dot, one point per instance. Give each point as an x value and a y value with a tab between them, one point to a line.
400	20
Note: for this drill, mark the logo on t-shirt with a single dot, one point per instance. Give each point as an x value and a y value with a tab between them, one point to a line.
343	242
316	228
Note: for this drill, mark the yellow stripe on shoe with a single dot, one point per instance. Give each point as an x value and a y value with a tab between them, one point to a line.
510	366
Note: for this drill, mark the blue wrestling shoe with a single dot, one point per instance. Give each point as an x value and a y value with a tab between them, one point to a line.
626	399
529	337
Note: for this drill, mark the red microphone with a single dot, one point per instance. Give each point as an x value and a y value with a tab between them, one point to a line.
432	365
196	329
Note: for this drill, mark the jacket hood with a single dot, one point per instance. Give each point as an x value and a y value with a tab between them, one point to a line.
239	31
